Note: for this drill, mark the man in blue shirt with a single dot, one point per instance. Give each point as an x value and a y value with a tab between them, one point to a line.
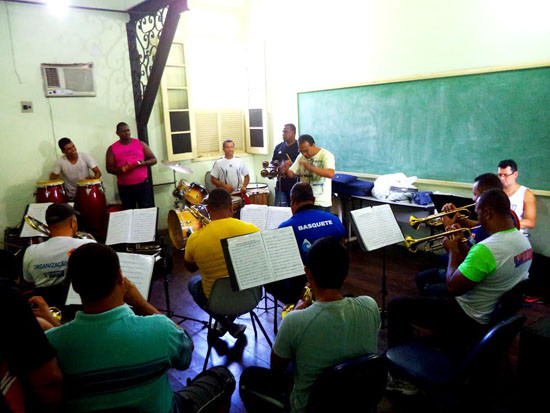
310	224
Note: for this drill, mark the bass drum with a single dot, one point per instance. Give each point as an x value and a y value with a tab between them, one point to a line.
183	222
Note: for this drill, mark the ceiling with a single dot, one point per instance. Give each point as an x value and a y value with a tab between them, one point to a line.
94	4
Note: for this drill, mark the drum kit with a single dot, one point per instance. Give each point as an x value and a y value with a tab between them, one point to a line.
190	213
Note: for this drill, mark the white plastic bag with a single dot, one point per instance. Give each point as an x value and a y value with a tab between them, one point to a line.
382	185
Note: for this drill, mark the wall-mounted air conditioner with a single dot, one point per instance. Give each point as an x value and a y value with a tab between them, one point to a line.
65	80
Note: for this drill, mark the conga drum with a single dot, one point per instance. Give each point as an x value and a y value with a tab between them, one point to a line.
50	191
258	193
90	202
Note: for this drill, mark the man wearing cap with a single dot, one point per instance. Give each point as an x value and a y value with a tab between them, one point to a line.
45	264
74	166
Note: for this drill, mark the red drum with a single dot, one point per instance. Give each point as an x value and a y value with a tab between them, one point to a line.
50	191
90	201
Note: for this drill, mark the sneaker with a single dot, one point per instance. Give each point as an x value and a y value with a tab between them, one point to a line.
237	330
401	386
533	299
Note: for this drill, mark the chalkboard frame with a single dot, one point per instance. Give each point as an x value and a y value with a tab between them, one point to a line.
429	180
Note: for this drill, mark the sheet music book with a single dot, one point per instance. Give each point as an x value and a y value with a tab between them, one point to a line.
37	211
138	268
265	217
262	257
376	227
132	226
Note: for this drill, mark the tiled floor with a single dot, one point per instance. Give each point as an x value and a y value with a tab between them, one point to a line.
364	279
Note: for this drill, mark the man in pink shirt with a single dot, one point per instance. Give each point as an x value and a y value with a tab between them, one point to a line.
128	159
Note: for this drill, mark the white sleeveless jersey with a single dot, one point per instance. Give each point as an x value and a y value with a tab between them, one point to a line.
516	204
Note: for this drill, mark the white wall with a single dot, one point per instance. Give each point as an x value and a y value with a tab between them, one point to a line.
29	141
319	44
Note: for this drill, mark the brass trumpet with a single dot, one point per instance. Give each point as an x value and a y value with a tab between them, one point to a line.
43	228
198	216
307	297
412	244
436	219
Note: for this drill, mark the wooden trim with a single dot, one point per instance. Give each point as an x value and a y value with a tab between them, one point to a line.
539	192
463	72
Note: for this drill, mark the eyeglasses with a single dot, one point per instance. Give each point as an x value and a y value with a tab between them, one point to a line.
505	175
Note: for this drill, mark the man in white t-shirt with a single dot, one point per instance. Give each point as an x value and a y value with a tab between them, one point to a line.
315	166
45	264
74	166
522	200
228	172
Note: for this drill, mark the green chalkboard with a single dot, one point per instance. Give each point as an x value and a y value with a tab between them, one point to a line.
448	128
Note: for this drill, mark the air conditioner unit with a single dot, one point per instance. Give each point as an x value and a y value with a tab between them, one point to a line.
65	80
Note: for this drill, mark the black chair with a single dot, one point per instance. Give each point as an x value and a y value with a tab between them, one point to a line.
353	385
453	375
510	302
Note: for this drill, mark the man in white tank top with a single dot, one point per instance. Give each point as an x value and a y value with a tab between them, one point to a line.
522	200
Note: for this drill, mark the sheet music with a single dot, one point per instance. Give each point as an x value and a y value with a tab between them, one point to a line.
276	216
377	226
120	224
255	214
144	225
249	260
37	211
283	253
137	268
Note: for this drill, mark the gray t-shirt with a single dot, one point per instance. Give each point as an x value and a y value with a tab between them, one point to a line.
74	172
324	334
229	171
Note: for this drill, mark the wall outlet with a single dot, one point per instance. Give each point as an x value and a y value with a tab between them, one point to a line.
26	107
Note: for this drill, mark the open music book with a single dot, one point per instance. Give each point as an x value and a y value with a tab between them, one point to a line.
132	226
262	257
138	268
265	217
37	211
376	227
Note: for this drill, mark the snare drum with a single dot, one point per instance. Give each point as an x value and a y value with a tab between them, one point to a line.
258	193
50	191
90	201
195	194
183	222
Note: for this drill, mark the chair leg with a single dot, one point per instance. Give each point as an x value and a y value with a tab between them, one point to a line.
254	316
208	343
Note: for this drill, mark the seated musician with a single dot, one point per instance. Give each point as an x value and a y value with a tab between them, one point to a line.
74	166
29	372
475	281
433	281
204	252
309	224
45	264
522	200
331	330
228	172
112	358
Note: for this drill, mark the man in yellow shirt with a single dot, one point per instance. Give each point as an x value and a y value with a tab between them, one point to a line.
204	252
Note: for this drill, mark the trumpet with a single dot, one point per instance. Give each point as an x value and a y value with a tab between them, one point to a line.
412	244
198	216
43	228
436	219
307	297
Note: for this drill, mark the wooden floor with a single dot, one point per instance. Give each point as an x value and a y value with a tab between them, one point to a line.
364	279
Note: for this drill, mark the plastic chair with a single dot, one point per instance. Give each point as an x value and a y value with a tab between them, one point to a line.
353	385
226	302
448	372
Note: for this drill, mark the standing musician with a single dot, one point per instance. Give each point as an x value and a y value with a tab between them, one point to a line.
227	171
128	159
522	200
286	151
315	166
45	264
74	166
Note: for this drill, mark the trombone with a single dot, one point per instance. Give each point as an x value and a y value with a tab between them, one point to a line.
436	219
413	244
43	228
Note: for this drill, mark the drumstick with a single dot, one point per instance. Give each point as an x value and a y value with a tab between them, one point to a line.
289	158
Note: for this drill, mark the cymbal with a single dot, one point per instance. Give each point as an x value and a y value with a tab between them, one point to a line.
177	167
